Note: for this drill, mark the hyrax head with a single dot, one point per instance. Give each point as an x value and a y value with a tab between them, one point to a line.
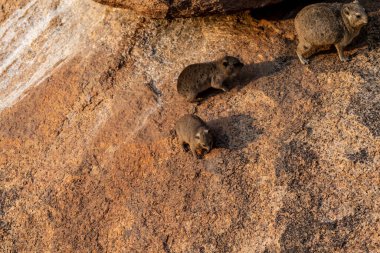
231	65
203	140
355	14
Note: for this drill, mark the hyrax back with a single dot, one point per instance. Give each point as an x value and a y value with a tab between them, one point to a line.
325	24
193	131
199	77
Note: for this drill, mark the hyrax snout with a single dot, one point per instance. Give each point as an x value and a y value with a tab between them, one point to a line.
193	131
325	24
196	78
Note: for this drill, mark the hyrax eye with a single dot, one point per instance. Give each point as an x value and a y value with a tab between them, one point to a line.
358	16
225	64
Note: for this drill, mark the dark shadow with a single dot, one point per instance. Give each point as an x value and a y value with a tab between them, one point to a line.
281	11
372	32
288	9
234	132
251	72
210	92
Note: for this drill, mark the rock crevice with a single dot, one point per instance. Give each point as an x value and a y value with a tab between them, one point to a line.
186	8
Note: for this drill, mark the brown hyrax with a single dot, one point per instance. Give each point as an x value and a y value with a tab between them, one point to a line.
196	78
193	131
326	24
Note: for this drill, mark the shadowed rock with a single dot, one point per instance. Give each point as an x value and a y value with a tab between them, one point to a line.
186	8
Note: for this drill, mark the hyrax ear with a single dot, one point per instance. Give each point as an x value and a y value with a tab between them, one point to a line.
198	135
346	10
205	131
355	2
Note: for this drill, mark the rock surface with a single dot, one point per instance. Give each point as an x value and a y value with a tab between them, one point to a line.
186	8
89	162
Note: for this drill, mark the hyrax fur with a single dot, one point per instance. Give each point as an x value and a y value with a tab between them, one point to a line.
326	24
196	78
193	131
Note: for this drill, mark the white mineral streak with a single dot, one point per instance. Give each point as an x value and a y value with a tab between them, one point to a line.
39	37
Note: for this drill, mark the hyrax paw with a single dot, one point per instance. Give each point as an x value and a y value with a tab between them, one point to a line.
198	155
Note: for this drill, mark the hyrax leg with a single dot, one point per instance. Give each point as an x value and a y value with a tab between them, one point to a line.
192	98
339	48
302	49
197	101
195	153
217	83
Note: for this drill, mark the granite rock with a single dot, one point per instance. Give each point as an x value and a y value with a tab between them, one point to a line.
89	161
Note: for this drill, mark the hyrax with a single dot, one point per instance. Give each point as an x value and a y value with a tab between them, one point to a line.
196	78
193	131
325	24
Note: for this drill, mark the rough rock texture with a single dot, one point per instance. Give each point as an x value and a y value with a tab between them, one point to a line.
150	8
186	8
89	161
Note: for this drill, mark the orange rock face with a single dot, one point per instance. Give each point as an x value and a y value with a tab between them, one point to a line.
89	161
